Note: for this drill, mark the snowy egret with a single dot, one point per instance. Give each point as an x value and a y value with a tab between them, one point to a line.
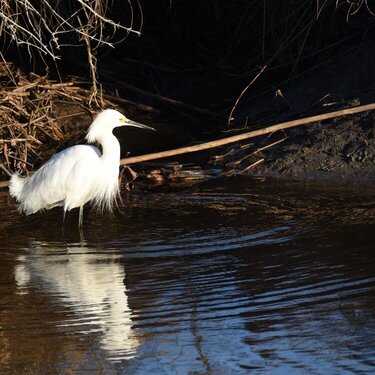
78	174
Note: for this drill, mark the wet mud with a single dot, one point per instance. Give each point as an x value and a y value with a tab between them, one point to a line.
342	148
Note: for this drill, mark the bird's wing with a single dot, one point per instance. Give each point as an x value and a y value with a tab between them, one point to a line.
55	180
82	179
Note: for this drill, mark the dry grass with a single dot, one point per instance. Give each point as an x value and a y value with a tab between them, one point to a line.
33	115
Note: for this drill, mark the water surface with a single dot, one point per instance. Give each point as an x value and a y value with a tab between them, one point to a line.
228	277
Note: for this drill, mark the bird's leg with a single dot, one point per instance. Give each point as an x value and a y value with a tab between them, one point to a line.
80	226
80	218
63	222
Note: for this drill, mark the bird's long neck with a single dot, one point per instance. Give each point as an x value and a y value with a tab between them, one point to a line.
111	149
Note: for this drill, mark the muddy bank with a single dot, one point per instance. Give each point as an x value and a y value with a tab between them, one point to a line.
343	148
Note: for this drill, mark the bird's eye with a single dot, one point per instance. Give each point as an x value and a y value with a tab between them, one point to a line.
123	119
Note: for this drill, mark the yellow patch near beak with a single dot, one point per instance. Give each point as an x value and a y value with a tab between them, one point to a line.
123	119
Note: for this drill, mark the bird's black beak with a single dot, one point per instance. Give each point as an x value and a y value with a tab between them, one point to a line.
138	125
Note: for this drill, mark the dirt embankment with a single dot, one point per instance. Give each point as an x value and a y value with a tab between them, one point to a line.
343	148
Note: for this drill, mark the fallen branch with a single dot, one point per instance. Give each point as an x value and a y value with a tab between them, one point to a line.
243	136
159	98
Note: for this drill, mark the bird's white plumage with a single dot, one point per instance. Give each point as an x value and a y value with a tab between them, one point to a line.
78	174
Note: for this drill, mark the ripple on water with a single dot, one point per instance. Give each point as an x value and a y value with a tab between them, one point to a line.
213	280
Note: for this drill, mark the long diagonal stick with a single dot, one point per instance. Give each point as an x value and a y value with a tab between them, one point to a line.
241	137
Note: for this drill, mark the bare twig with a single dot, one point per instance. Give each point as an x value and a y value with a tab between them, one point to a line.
239	161
230	117
5	170
161	99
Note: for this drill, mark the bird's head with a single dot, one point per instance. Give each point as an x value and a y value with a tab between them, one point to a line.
106	121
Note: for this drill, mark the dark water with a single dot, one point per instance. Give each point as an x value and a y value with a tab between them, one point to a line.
229	277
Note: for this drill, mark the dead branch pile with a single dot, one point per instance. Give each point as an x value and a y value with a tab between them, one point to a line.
34	113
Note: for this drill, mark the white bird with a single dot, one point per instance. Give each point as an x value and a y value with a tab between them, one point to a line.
78	174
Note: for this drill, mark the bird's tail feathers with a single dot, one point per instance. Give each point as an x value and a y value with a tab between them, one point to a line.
16	186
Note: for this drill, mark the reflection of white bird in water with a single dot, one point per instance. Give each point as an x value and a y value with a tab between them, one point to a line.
90	284
78	174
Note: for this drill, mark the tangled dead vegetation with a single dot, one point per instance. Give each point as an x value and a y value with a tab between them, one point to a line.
46	32
47	28
35	116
